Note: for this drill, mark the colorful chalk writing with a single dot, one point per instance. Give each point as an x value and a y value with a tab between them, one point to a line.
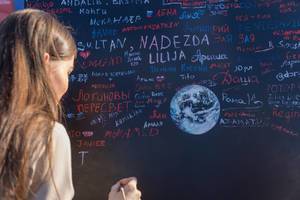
171	85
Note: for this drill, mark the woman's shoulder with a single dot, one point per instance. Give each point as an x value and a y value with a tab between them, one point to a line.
58	127
59	134
60	181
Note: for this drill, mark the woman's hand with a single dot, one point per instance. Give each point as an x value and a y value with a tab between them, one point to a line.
130	189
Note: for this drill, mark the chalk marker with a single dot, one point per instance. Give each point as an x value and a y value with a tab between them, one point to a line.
123	193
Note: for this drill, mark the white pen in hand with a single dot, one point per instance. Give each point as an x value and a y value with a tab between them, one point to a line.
123	193
125	189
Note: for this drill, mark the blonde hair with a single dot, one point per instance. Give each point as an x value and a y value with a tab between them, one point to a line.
28	106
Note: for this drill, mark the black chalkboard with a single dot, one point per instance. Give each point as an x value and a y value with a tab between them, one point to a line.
197	99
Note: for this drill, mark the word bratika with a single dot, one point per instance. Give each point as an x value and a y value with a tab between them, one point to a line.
128	2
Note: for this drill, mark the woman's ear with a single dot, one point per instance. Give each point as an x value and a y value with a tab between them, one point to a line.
46	58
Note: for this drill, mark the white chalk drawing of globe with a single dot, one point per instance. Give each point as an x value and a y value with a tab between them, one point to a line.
195	109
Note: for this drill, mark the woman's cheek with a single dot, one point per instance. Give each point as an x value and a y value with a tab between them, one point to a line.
64	83
61	84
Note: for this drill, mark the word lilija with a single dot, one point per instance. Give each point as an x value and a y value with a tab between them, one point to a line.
169	48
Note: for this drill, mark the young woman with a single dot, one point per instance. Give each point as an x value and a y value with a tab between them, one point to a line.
36	56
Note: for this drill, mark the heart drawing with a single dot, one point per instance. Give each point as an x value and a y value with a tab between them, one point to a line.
85	54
